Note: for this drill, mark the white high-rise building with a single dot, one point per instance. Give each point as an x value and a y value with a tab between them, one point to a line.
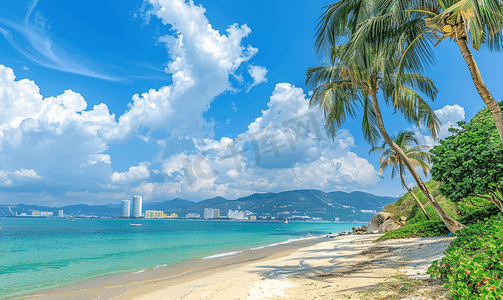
60	213
211	213
126	208
238	215
136	209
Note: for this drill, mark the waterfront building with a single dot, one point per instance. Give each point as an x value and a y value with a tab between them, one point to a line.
42	213
60	213
154	214
192	216
210	213
137	207
173	215
126	209
253	218
237	215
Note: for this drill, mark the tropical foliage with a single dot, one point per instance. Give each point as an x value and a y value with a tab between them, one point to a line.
407	206
353	75
341	86
413	28
473	265
417	155
470	162
417	227
421	229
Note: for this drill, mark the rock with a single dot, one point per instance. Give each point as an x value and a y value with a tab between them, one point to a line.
360	230
376	222
382	223
402	220
389	225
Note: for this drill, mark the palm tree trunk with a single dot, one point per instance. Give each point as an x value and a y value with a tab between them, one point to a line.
449	221
484	93
412	194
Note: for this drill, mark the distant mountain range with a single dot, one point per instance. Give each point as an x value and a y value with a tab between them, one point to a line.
311	203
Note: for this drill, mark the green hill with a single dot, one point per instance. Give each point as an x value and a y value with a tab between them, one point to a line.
361	200
406	206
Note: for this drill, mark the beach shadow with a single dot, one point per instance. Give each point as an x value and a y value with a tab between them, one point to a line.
344	261
338	261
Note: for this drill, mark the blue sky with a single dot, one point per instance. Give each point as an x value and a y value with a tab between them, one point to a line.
106	99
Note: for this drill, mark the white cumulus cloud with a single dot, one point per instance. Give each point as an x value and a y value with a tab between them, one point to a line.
449	115
9	176
134	173
283	149
54	136
258	74
201	60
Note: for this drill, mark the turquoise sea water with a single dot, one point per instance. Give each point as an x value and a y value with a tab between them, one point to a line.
38	254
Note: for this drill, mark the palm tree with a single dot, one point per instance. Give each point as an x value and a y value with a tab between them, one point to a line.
418	156
349	80
416	27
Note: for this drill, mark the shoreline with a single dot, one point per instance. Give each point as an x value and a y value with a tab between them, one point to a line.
336	268
88	288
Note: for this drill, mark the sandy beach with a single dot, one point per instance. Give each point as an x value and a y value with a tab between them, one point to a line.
345	267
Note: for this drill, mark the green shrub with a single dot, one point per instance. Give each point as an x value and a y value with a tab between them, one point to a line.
422	229
407	207
470	204
480	214
473	264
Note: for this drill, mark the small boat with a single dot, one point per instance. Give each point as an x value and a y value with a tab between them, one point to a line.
135	224
286	221
72	219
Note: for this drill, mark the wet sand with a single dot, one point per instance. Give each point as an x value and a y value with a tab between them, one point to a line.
322	268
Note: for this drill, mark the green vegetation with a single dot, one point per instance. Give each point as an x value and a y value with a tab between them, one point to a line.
406	206
417	156
436	227
354	72
473	264
470	162
419	26
421	229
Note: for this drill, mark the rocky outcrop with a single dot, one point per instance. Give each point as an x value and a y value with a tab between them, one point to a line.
360	230
382	223
389	225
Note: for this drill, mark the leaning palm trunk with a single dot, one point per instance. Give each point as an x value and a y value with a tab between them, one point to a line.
412	194
449	221
477	79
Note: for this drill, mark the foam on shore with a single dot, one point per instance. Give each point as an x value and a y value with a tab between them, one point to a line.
285	242
222	254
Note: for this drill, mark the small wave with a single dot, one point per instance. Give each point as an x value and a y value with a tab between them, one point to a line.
160	266
222	254
141	271
284	243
